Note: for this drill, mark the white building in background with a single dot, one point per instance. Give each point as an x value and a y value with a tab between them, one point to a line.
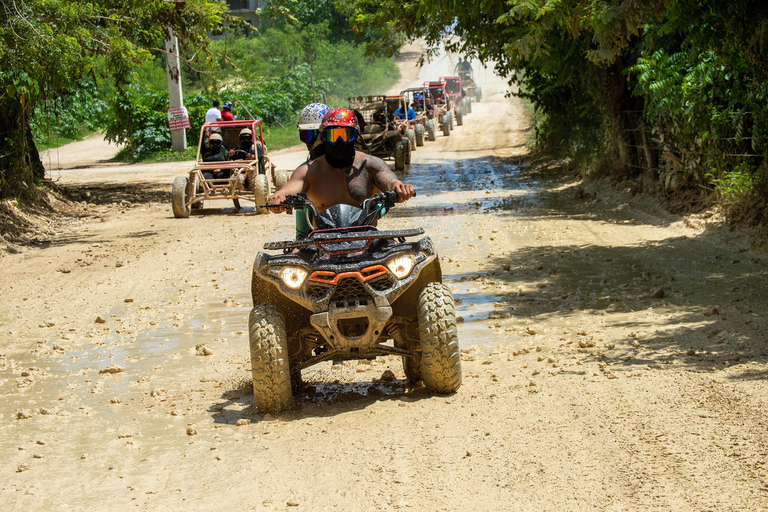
246	9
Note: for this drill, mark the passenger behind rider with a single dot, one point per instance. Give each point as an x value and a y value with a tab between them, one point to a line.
215	152
309	131
343	175
409	115
226	112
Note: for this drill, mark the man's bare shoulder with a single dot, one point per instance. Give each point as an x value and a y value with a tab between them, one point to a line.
369	162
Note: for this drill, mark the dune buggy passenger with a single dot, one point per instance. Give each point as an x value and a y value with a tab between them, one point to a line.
343	175
226	112
216	152
409	115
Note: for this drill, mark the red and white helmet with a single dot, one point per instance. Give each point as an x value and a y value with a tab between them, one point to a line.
338	117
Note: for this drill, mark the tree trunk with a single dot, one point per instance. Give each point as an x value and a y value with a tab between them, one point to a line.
20	165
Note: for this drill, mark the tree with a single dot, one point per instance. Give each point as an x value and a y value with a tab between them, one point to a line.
48	46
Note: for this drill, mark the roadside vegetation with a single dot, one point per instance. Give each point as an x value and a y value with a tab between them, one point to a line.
70	69
670	95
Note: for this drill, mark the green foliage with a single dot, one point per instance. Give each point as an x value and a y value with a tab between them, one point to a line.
48	47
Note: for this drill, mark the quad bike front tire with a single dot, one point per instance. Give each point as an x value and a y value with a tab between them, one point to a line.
431	132
459	117
400	155
418	131
446	125
467	104
260	189
411	134
270	367
440	355
450	118
179	197
478	94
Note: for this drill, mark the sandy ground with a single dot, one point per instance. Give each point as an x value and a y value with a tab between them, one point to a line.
613	355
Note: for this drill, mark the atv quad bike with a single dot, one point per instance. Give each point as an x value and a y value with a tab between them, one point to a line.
440	106
456	95
250	180
424	128
349	291
378	134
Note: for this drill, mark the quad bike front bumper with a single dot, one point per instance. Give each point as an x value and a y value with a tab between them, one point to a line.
348	304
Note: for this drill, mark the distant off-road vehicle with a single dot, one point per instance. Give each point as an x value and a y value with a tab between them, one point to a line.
471	89
347	292
456	95
424	129
402	124
379	134
232	163
440	106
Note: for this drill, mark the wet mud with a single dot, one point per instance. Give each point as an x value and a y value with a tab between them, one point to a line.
614	355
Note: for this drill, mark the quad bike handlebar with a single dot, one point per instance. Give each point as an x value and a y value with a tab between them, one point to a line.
384	199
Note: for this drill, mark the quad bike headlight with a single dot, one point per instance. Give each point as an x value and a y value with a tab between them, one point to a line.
293	277
401	266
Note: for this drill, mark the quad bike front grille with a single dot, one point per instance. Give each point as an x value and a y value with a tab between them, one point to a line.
350	290
381	283
318	291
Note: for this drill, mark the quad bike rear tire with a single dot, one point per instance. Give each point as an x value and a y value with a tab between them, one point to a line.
260	189
440	354
431	135
446	125
411	134
412	368
179	198
478	94
270	367
400	155
418	130
459	117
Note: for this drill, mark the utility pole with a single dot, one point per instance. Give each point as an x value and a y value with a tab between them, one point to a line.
178	119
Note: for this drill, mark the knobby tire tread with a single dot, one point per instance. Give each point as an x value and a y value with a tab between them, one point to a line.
270	367
179	198
440	353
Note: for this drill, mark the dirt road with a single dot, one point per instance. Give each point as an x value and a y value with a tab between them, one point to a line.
614	356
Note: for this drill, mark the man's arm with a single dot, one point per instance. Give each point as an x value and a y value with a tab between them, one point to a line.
385	179
295	185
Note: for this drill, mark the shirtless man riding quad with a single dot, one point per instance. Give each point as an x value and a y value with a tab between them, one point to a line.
342	175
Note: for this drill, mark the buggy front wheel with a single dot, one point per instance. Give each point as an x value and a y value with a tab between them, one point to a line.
411	134
431	135
260	190
179	198
400	155
418	131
